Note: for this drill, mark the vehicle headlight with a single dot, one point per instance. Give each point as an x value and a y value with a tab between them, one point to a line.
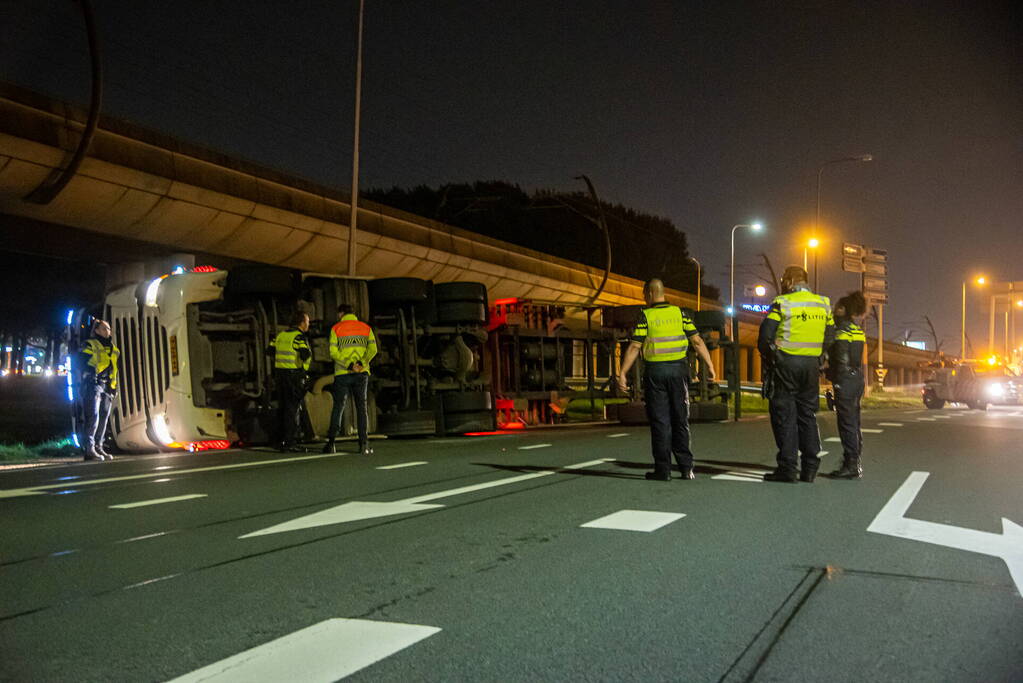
996	390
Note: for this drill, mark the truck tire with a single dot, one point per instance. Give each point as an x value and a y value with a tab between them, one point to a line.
460	291
391	291
633	414
466	401
933	402
977	405
463	423
461	312
409	423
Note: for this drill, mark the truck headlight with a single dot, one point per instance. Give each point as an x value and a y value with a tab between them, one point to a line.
995	390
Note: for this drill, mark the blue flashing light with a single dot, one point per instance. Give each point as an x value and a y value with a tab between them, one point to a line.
178	270
74	439
70	476
757	308
65	492
70	394
70	315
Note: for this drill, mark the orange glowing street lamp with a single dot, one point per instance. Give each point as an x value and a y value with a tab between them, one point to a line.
811	243
979	281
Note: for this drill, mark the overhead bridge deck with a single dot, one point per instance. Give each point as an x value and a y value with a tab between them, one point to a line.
144	186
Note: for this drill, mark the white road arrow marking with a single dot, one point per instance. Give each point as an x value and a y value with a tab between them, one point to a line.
891	521
359	510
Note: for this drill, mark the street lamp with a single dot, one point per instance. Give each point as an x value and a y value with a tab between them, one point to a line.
811	243
699	270
755	227
980	281
817	223
353	218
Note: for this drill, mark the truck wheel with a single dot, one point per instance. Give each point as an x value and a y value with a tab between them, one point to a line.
409	423
460	291
461	312
633	414
933	402
463	423
976	405
466	401
389	291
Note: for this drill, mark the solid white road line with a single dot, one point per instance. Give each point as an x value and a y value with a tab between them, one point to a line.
616	436
914	412
536	445
157	501
736	476
871	431
926	419
402	464
39	490
634	520
837	439
889	424
327	651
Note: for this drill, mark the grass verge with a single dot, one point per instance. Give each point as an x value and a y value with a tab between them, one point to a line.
753	404
54	448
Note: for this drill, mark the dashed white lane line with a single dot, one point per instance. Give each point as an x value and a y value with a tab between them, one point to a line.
634	520
835	439
926	419
536	445
915	412
615	436
327	651
889	424
733	476
401	464
943	417
157	501
870	431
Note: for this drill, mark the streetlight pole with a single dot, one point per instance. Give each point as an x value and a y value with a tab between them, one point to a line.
731	270
962	340
817	223
699	271
354	217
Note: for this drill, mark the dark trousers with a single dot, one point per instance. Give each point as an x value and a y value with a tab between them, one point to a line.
356	384
666	392
848	393
96	402
793	407
291	388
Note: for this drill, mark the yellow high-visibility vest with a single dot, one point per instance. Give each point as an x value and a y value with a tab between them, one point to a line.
803	318
664	332
286	347
102	358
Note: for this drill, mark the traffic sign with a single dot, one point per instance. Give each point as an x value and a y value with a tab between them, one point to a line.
876	255
853	265
874	298
850	250
875	268
874	284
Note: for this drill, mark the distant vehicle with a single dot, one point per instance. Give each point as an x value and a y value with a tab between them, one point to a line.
973	384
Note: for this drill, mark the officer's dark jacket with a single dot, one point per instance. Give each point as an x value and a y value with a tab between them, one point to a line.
845	357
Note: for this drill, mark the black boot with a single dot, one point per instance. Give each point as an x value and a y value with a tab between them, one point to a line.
850	469
329	446
808	472
781	475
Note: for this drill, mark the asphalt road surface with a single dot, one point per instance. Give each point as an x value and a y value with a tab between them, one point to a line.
536	556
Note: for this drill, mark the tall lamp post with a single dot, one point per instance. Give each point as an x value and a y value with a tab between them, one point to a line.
699	271
755	227
817	223
354	217
811	243
962	339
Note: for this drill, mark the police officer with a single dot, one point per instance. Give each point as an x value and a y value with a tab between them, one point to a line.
793	336
845	370
292	358
98	356
664	334
352	346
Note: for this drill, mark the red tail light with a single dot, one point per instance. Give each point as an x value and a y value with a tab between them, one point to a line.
213	445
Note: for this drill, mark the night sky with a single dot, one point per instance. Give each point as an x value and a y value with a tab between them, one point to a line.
707	113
